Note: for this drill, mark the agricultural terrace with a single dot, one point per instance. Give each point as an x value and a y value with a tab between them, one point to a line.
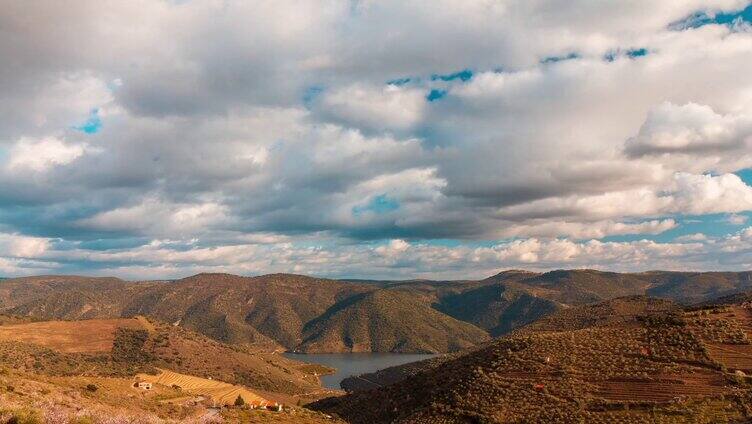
220	392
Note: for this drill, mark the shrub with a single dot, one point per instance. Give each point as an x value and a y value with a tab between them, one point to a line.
22	416
91	387
128	346
239	401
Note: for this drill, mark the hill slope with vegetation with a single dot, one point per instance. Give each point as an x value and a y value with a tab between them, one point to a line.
122	347
295	312
655	363
388	321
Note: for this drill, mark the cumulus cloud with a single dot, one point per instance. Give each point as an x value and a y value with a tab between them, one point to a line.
694	136
703	194
156	218
239	135
401	259
388	107
19	246
40	155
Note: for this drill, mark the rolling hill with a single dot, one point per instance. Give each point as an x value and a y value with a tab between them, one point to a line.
121	347
654	363
388	321
619	312
295	312
497	308
84	371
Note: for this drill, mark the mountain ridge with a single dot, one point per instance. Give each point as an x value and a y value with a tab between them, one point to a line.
279	311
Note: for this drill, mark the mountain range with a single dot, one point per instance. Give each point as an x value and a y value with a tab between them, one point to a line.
306	314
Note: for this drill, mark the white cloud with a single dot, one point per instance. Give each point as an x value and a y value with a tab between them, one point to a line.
387	107
736	219
703	194
213	140
695	138
401	259
156	218
700	237
19	246
40	155
586	230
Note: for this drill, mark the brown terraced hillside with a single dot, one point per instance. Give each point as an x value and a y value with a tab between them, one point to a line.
631	360
85	371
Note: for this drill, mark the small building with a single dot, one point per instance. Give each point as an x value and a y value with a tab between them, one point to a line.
143	385
258	404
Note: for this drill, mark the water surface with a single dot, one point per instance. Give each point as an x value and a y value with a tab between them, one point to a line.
349	364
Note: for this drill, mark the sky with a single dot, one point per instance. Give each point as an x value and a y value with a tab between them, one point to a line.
151	139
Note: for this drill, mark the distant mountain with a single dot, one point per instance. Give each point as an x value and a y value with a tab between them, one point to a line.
388	321
511	299
497	308
694	287
295	312
278	311
270	309
654	363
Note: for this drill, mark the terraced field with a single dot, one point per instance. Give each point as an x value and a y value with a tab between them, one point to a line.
663	388
726	333
646	365
220	392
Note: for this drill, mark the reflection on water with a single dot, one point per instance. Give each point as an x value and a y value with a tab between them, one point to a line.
349	364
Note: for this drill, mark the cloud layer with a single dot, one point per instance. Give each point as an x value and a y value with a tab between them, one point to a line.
156	138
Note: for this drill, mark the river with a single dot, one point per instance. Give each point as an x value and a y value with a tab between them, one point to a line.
349	364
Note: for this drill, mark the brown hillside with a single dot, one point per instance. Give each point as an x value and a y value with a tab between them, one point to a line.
122	347
694	287
272	312
388	321
260	310
497	308
623	312
33	398
92	336
662	367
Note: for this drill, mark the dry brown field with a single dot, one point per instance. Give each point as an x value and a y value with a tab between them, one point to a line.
88	336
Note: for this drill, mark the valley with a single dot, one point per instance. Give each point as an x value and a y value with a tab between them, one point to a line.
564	345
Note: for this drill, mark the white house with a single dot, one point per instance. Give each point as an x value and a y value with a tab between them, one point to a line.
143	385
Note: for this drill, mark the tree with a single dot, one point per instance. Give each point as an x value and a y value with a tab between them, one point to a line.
239	401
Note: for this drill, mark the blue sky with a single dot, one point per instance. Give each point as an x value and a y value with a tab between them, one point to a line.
375	139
